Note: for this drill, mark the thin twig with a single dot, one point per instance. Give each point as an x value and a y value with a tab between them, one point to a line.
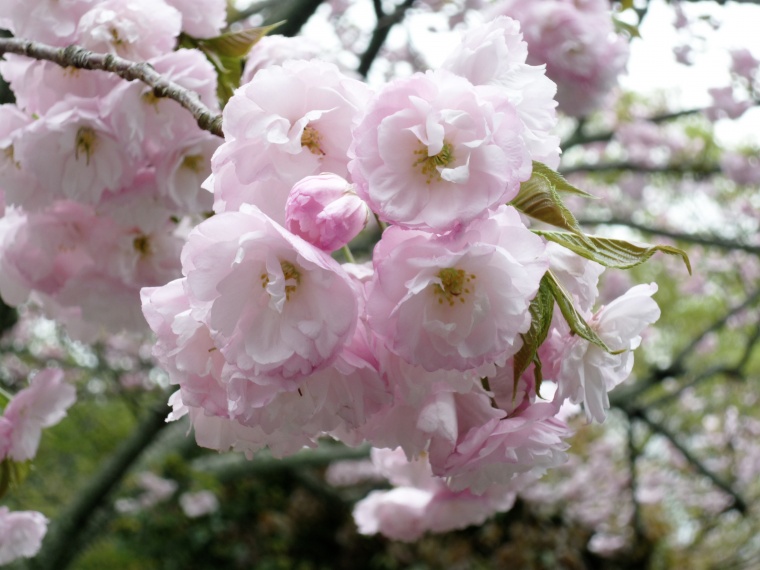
382	29
80	58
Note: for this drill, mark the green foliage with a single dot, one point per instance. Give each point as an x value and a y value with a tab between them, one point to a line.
541	310
617	253
539	198
227	53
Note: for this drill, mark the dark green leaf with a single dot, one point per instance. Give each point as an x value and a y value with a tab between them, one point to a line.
617	253
539	199
541	309
236	44
576	321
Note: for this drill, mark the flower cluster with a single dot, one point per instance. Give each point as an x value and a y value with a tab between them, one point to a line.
272	342
98	174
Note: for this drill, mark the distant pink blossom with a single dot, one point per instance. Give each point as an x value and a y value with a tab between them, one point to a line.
198	504
577	42
741	168
42	404
21	534
744	63
725	104
325	211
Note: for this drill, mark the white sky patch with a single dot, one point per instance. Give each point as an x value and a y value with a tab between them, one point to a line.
653	68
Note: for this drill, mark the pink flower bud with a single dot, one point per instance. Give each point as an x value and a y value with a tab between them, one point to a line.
325	211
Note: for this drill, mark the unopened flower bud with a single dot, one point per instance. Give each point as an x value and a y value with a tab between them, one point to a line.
325	211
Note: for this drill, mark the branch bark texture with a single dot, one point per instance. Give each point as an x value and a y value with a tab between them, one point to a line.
80	58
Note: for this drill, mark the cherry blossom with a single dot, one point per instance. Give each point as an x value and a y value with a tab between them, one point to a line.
42	404
457	301
431	153
21	534
325	211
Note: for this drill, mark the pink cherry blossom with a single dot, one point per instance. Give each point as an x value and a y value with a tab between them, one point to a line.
48	21
432	154
325	211
458	301
275	305
494	54
201	18
21	534
74	153
42	404
289	122
136	30
276	50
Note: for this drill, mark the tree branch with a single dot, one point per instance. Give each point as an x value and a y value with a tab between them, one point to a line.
703	240
295	13
739	503
76	56
679	169
60	546
380	34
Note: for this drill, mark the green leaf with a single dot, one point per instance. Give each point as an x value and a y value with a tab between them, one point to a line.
630	29
576	321
12	474
541	309
236	44
539	199
617	253
558	181
226	54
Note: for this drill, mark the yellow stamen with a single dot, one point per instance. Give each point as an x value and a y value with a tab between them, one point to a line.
429	164
453	285
85	143
311	139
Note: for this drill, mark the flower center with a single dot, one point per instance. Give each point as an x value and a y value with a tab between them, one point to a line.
85	143
292	278
193	162
311	139
142	245
429	165
455	284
